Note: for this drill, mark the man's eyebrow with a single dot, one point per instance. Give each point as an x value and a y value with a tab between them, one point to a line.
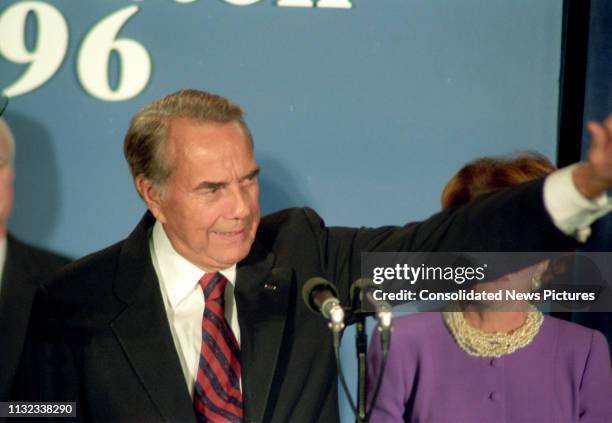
208	185
251	174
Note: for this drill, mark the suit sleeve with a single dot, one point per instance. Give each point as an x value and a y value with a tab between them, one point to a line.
596	385
513	219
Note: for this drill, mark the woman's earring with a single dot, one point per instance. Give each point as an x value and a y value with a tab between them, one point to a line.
536	283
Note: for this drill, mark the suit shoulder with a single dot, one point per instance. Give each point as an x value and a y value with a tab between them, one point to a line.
86	272
574	338
42	258
292	220
291	216
414	337
30	265
418	326
80	295
570	329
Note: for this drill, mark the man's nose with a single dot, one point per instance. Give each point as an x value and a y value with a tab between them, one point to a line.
239	207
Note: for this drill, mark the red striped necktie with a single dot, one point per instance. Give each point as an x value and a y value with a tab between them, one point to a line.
217	397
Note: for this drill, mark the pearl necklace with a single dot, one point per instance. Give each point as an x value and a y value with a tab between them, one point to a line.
483	344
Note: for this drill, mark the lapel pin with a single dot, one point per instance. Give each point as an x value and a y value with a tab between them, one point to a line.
271	286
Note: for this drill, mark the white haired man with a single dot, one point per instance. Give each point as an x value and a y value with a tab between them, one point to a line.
22	267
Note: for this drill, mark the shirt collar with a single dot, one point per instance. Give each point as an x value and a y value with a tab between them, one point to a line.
178	276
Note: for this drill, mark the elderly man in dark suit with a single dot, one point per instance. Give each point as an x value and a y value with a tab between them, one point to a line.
22	267
196	316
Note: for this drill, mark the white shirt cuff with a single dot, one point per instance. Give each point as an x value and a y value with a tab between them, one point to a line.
572	213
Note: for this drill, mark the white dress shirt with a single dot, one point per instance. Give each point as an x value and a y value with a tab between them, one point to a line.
184	301
569	210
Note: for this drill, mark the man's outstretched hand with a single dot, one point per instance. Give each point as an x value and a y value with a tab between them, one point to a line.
594	176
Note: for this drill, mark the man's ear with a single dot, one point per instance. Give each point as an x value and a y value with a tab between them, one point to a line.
151	194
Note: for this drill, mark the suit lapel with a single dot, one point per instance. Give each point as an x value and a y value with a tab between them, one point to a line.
143	329
262	298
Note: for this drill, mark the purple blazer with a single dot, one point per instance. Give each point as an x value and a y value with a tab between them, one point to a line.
564	375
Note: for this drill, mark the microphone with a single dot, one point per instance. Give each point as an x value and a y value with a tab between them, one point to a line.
321	296
362	297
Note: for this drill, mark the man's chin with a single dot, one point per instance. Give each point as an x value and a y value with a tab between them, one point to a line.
234	257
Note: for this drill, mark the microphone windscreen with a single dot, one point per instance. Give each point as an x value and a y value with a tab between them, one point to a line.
360	285
315	284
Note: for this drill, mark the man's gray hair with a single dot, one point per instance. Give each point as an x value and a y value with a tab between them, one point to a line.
144	145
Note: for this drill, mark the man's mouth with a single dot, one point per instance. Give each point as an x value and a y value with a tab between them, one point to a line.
230	234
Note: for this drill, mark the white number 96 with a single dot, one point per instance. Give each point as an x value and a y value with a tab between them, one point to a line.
93	56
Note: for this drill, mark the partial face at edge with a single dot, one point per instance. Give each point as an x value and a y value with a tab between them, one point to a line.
210	203
7	176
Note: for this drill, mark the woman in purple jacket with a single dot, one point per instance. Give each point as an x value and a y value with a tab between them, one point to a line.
476	364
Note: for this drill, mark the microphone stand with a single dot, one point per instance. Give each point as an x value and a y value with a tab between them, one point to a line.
361	346
360	295
361	343
321	296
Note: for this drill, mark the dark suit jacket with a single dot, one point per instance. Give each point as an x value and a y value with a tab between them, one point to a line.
24	268
100	335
